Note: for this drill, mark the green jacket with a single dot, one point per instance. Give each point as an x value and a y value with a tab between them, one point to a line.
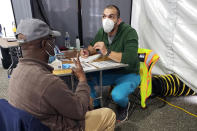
125	41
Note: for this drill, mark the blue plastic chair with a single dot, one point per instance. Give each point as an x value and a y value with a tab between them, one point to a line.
13	119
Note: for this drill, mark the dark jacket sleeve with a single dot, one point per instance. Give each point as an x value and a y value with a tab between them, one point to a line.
65	102
130	53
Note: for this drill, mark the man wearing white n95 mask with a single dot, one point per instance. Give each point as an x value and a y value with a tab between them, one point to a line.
119	42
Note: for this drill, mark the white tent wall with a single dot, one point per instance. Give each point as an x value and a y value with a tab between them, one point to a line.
169	27
22	9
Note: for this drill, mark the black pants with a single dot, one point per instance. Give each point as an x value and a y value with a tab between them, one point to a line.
6	60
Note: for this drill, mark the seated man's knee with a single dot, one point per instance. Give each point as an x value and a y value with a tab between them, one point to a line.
109	113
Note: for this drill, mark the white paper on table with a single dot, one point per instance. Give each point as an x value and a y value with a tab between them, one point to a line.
86	66
109	63
90	58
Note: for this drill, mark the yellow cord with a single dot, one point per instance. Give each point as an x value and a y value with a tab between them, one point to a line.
178	107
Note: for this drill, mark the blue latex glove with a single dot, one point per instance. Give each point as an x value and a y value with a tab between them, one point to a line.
65	66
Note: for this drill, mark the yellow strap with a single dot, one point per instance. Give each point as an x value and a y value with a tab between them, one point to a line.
142	50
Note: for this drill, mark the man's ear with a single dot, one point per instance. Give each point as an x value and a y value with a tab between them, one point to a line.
119	21
43	44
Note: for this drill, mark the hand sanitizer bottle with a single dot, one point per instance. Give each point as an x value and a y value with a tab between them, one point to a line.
77	43
67	40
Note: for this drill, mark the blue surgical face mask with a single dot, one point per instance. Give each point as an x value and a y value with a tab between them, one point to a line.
51	59
56	52
53	56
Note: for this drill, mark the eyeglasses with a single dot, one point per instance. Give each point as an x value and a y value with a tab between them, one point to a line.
111	16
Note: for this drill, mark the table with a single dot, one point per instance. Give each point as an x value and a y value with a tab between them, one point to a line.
68	72
5	44
14	48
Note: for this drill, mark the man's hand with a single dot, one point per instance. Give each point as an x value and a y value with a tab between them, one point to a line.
78	70
101	46
84	53
91	105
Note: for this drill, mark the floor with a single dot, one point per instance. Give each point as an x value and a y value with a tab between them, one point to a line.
156	117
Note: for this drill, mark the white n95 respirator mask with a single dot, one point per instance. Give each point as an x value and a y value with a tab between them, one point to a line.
108	25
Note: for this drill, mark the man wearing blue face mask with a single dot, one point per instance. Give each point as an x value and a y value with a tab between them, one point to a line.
119	42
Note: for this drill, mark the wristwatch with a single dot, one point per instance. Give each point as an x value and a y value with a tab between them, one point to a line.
108	52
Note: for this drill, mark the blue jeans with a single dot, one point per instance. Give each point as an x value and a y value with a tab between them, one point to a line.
125	84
